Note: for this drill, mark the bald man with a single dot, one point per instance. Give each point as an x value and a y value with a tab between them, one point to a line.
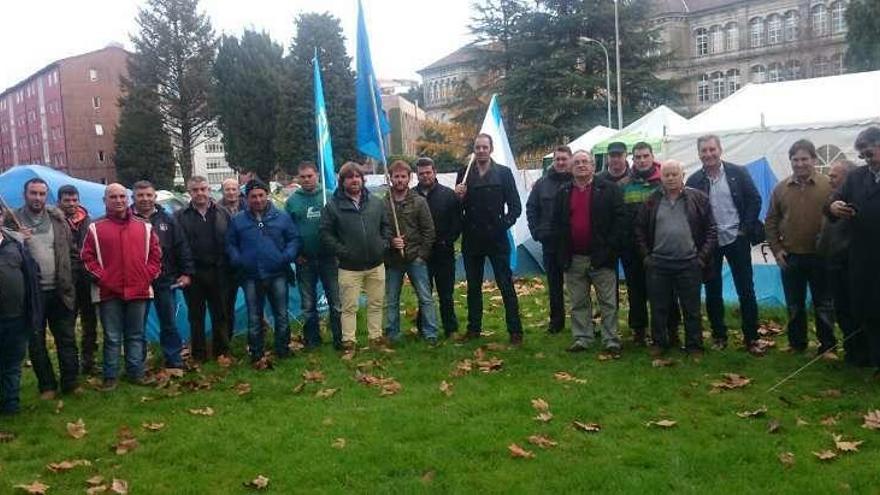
122	253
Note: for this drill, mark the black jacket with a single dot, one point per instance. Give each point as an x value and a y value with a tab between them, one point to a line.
490	207
745	195
446	213
539	207
357	236
700	220
33	314
177	259
607	215
188	218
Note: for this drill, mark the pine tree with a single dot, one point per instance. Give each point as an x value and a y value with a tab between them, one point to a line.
142	148
246	100
863	35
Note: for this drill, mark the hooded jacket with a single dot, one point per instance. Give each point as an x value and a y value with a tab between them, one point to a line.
357	235
262	248
305	209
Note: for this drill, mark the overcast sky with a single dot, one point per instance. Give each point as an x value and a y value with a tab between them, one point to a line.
405	35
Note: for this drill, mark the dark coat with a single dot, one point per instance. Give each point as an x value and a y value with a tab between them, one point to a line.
607	215
177	259
357	236
540	206
416	227
490	207
700	220
188	217
446	214
33	301
745	196
63	245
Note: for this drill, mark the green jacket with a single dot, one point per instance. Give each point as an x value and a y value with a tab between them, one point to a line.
416	227
357	235
305	209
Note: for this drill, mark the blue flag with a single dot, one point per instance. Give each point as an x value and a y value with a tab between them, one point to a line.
322	134
372	125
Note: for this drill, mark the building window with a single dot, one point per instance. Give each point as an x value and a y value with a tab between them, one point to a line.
213	147
838	17
819	15
731	38
837	64
791	25
716	39
733	81
774	29
702	42
774	72
96	102
212	164
792	70
101	156
756	32
703	89
717	86
99	130
93	75
821	68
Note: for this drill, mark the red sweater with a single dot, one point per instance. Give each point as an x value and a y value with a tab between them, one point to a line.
581	219
124	256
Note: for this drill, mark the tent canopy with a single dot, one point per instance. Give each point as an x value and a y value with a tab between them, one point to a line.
649	128
587	140
630	139
12	182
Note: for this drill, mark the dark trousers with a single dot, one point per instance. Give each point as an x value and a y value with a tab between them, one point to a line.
231	297
441	274
60	321
668	280
208	288
739	258
473	267
165	302
855	343
256	292
804	270
325	269
637	297
13	345
555	282
88	319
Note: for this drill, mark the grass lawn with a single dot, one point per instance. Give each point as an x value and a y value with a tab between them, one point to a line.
423	440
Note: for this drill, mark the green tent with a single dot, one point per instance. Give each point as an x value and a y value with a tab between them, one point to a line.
630	139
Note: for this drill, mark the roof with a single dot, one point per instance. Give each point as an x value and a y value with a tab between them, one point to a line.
111	46
651	127
588	139
807	103
659	7
463	55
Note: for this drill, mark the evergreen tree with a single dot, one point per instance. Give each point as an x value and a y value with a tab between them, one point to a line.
142	149
863	35
174	52
296	136
246	100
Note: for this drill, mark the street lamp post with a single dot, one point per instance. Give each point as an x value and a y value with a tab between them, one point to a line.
617	62
607	74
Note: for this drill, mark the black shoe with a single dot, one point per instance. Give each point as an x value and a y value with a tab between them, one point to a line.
469	336
553	329
516	339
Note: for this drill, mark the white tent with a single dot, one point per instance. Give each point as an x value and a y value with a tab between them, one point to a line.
659	122
588	139
765	119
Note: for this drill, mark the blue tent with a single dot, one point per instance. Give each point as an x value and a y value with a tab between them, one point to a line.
12	181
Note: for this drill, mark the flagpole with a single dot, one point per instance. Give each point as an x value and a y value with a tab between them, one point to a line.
384	160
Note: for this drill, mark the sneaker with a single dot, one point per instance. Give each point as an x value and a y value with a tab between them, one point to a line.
109	385
576	347
48	395
719	343
516	339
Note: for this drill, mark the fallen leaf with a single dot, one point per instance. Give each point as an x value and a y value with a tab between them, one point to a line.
495	346
802	422
446	388
542	441
490	365
786	458
662	423
846	446
825	455
544	416
327	421
517	451
299	387
119	486
338	443
731	381
773	426
225	361
174	372
59	407
390	387
463	367
94	490
753	414
872	420
153	426
125	441
264	363
203	411
604	356
59	467
325	393
428	476
540	404
831	393
35	488
77	430
259	483
662	363
95	480
313	376
587	427
770	329
242	388
829	420
6	436
564	376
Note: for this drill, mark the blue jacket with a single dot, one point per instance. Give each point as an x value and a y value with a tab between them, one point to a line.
262	249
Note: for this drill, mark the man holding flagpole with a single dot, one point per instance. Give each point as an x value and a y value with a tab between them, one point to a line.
490	205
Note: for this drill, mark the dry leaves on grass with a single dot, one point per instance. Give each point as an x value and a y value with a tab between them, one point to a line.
769	329
802	422
242	388
119	487
152	426
202	411
662	423
845	445
786	458
259	483
731	381
490	365
125	441
831	393
753	414
662	363
825	455
386	385
564	376
6	436
519	452
463	367
587	427
264	363
338	443
872	420
60	467
773	426
77	430
829	420
540	404
95	480
35	488
59	406
446	388
298	388
313	376
225	361
326	393
542	441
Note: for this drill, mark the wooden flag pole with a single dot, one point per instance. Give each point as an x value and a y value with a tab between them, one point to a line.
467	170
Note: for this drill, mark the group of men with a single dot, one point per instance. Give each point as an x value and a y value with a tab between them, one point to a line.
670	236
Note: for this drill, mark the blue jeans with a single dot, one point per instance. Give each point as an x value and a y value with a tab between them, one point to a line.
418	276
13	344
307	275
165	302
123	323
255	292
739	257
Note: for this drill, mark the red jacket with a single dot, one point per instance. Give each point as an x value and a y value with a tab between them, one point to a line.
123	256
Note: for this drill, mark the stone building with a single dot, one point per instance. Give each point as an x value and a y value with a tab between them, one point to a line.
441	80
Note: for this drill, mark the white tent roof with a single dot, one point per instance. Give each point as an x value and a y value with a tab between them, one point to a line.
803	104
588	139
657	123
